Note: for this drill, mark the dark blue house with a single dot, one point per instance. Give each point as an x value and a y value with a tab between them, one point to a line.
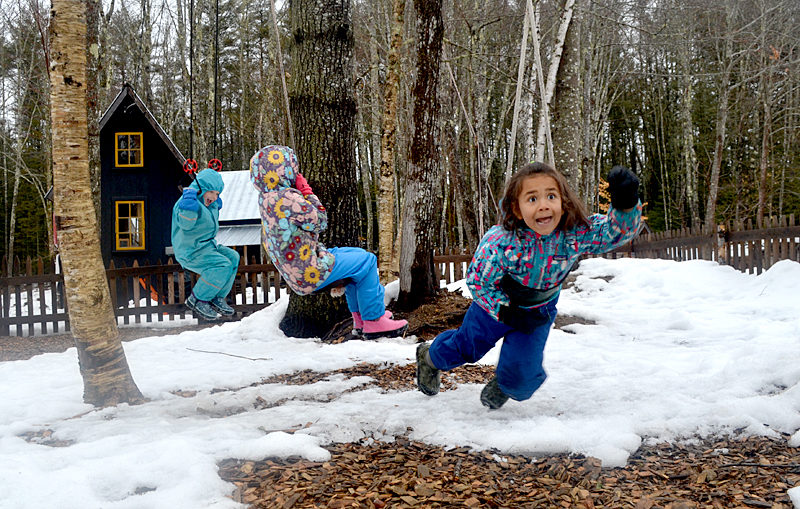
140	179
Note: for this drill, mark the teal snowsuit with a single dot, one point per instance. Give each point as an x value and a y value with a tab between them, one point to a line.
194	245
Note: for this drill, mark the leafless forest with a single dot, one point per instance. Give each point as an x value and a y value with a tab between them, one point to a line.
701	98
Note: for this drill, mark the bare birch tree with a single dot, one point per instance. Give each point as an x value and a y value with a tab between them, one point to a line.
106	377
386	198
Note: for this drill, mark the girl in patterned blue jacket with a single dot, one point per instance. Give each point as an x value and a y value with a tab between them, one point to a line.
516	273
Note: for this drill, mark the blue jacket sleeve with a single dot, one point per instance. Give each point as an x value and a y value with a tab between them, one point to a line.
610	231
487	268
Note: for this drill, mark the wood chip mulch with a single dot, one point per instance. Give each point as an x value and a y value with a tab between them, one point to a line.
737	473
391	377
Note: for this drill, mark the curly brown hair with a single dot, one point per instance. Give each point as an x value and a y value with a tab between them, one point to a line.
574	210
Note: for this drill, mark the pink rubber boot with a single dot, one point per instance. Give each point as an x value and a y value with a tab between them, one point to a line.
358	323
384	327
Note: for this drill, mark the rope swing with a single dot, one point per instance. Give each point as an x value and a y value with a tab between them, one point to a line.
279	57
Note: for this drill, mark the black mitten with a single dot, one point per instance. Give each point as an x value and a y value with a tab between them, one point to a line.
623	186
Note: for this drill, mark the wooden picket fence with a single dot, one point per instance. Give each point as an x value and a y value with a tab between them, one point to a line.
741	245
31	302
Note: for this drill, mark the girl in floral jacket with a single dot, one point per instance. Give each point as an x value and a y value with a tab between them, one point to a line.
516	274
292	218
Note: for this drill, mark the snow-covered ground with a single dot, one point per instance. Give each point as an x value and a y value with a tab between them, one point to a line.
676	351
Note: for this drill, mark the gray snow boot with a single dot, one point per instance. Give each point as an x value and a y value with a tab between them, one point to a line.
492	396
221	306
428	377
201	308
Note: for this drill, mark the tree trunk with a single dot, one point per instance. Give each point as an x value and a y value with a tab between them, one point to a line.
106	377
322	101
94	11
567	111
764	93
517	97
719	149
386	224
423	197
548	89
687	125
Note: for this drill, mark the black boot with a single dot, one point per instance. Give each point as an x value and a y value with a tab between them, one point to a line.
492	396
428	377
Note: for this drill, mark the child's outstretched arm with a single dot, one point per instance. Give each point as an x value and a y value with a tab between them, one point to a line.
624	217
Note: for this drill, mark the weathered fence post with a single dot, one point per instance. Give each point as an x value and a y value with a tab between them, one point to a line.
722	245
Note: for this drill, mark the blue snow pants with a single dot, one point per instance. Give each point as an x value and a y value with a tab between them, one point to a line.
364	291
216	268
519	369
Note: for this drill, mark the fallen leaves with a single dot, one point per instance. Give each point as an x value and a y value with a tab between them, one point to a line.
411	474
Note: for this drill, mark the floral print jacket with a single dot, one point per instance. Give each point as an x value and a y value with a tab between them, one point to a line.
542	261
290	222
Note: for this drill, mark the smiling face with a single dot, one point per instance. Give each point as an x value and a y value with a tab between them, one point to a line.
210	197
539	204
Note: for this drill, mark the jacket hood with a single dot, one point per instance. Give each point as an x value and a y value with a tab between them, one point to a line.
208	180
273	168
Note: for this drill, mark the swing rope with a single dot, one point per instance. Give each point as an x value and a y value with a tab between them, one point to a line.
191	79
283	74
216	73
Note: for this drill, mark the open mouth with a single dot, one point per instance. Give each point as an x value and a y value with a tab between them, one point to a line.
544	221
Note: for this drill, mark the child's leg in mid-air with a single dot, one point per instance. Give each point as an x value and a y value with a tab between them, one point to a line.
365	292
477	335
233	257
216	274
217	271
519	370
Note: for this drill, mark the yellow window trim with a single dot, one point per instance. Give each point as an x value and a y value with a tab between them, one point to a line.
121	236
140	150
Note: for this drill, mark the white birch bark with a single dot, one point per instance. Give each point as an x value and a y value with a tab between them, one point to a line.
517	97
543	132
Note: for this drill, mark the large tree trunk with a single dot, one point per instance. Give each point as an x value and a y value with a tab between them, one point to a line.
106	377
567	107
322	101
386	225
423	195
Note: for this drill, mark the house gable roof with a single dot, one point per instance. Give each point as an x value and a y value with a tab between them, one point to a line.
127	91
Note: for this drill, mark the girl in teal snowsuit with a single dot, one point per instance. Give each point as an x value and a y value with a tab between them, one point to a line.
515	278
195	222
